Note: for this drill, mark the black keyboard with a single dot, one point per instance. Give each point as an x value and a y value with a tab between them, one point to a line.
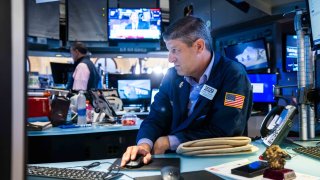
63	173
312	151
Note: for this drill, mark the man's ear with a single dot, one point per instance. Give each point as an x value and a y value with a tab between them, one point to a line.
200	45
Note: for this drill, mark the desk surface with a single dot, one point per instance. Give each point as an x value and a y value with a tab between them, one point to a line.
56	131
299	163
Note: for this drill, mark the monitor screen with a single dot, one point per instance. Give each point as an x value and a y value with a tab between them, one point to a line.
252	54
131	24
134	89
314	11
263	87
61	72
291	53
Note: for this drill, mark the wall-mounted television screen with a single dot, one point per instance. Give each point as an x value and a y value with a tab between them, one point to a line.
290	53
252	54
263	87
131	24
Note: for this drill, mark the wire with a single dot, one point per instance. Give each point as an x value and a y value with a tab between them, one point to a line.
97	163
128	176
89	166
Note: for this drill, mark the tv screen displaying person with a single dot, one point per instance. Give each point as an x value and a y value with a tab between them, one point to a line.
136	22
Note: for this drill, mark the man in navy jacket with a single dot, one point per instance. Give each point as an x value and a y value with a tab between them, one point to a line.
205	95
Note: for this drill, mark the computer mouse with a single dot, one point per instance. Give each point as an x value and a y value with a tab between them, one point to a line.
136	163
170	173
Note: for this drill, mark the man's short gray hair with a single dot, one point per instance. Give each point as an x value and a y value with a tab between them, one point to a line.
188	30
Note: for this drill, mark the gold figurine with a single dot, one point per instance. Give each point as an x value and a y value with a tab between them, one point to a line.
276	157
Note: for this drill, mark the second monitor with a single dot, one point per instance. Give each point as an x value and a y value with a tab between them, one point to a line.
133	89
263	87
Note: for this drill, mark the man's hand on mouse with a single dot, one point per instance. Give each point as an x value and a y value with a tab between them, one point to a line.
133	151
161	145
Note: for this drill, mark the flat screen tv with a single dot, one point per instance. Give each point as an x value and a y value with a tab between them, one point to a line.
252	54
133	24
290	53
263	87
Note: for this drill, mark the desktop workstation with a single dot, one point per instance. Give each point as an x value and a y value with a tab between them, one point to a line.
301	164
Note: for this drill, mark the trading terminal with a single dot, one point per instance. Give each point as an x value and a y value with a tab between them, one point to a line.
278	42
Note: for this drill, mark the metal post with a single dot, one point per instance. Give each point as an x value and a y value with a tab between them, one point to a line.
303	133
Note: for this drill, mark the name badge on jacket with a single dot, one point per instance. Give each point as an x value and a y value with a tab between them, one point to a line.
208	92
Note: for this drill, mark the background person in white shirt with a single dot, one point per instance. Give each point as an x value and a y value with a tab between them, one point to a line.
86	75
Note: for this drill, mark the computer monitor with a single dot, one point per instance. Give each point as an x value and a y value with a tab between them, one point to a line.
263	87
133	89
61	72
252	54
134	23
314	11
290	53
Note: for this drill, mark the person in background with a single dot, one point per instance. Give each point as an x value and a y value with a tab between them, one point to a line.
86	75
203	96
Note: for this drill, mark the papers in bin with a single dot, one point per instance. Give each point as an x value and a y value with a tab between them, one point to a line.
224	170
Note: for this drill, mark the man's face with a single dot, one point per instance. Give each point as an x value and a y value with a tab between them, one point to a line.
74	54
183	57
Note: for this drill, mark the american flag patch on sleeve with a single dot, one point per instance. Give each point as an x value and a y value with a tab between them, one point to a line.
234	100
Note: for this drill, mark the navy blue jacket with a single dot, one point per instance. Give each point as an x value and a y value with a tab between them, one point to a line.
210	118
